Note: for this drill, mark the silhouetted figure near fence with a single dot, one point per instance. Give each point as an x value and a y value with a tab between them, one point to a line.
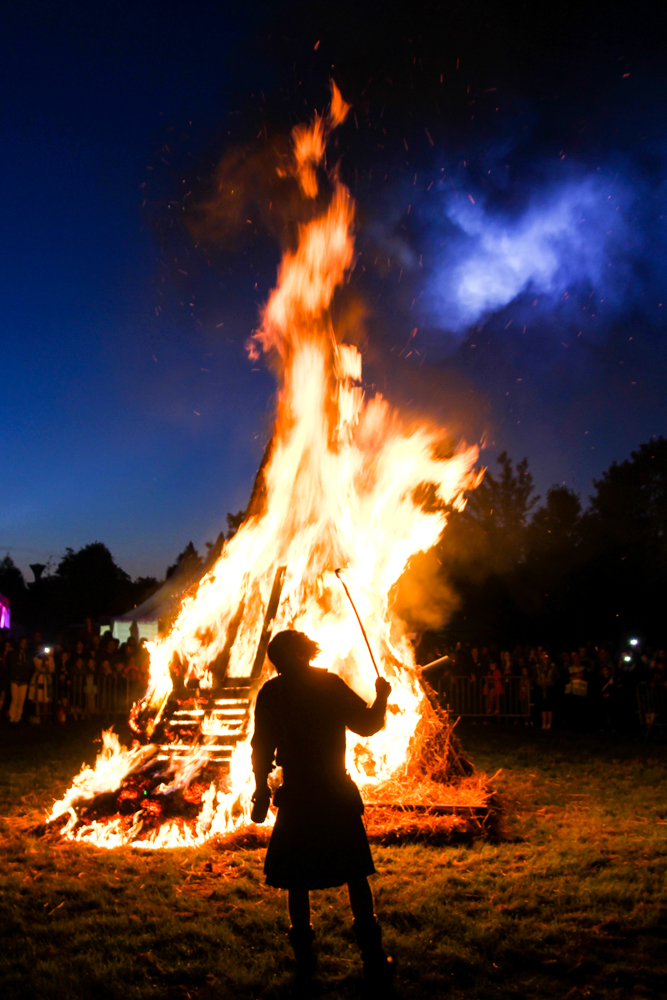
20	671
319	840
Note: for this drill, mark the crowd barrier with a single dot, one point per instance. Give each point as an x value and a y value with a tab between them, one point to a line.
462	696
87	695
114	695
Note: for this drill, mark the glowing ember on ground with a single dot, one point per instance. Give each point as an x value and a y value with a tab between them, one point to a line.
343	486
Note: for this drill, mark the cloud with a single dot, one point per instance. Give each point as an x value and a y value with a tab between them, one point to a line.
570	237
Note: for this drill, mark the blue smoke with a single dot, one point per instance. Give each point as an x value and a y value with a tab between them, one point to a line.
580	248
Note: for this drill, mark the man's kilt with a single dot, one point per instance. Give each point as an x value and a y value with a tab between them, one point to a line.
319	840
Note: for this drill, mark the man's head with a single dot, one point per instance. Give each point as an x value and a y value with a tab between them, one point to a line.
290	650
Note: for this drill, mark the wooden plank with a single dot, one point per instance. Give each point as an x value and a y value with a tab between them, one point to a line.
219	665
435	809
271	612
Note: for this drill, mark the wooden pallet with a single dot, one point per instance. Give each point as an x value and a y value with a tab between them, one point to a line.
223	712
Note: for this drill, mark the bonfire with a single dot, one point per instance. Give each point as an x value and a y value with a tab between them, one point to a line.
346	485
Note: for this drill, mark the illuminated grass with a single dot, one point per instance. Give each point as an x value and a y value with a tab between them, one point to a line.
573	904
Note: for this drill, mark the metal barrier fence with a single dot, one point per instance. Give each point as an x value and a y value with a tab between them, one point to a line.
85	695
93	694
510	698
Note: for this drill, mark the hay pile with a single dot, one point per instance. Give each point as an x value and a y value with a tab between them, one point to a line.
439	798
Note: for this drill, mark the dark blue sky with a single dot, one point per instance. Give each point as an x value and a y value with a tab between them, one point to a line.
533	173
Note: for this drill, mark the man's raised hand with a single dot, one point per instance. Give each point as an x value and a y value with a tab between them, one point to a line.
382	688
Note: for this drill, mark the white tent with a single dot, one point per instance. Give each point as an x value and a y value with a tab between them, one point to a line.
155	613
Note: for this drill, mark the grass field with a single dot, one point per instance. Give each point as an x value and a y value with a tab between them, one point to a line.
572	903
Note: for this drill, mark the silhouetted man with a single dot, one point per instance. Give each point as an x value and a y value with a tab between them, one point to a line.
319	840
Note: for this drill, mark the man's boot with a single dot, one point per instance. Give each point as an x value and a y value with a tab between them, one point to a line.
378	966
301	939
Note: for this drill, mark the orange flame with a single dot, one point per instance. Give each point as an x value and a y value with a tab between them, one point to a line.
343	486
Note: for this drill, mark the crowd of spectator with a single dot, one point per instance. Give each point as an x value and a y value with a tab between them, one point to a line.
588	688
66	680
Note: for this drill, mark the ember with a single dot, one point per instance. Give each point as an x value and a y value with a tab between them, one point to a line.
342	485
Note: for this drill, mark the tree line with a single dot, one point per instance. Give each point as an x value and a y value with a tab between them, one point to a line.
512	567
89	583
522	568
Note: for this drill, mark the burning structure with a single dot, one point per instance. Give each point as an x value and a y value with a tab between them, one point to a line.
344	483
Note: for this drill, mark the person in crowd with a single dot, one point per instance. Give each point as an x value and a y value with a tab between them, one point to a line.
5	656
35	644
463	662
578	693
606	699
131	667
507	666
106	658
604	659
587	658
61	656
659	669
645	660
533	661
493	689
119	659
526	694
87	632
78	681
21	670
90	686
476	668
143	663
95	649
565	689
627	678
546	679
318	840
40	691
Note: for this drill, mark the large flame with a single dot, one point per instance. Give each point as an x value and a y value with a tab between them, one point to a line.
344	485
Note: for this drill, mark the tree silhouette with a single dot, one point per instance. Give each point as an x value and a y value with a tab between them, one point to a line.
188	562
12	585
91	583
624	543
555	526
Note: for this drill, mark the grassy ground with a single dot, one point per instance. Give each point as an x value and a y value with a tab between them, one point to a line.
573	903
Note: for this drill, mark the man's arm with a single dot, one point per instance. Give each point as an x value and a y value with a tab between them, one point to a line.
364	720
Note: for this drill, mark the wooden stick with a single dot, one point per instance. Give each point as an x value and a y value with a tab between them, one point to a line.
361	626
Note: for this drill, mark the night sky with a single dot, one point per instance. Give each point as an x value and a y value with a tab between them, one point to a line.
509	169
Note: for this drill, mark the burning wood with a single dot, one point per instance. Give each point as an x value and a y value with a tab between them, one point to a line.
342	485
